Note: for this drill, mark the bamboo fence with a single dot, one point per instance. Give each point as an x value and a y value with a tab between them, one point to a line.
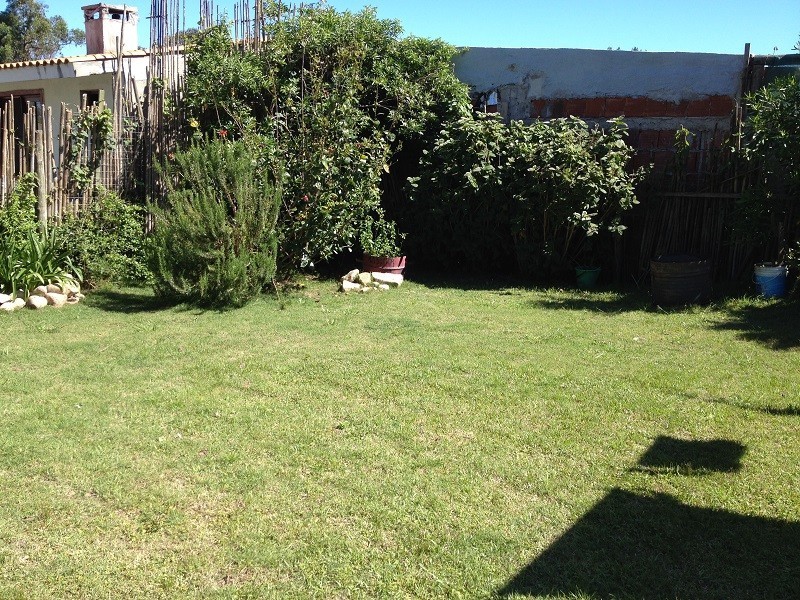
27	146
146	126
685	212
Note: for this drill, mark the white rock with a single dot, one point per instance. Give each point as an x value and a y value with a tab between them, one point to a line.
349	286
72	300
80	296
36	302
365	278
8	306
365	288
392	279
5	298
39	291
57	300
351	276
70	289
53	288
384	286
19	302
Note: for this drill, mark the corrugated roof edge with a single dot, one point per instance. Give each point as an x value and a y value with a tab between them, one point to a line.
62	60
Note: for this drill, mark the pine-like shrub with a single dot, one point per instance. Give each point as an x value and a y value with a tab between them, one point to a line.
214	242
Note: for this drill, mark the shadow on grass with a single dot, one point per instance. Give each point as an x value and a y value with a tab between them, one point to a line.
657	548
550	296
467	282
558	296
775	325
596	301
792	410
142	300
128	300
668	454
789	411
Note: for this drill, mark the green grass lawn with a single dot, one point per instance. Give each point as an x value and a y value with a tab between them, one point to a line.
429	442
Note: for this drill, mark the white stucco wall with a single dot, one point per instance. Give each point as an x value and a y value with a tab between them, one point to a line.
64	82
56	91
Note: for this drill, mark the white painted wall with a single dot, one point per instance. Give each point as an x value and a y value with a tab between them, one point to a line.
64	82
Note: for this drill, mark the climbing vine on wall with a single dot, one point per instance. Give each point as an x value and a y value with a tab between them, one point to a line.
91	134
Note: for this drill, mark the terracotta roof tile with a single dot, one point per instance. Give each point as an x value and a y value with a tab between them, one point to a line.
62	60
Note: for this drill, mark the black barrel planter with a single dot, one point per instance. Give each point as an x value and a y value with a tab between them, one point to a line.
680	279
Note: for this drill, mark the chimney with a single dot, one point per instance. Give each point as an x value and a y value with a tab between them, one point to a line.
107	22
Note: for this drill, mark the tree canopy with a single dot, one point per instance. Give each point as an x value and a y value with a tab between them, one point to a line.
27	33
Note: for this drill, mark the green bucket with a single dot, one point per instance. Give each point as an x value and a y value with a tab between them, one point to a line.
587	277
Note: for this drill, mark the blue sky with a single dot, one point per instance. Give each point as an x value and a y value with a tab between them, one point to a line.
718	26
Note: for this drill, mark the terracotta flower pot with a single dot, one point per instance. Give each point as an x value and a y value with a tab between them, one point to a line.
384	264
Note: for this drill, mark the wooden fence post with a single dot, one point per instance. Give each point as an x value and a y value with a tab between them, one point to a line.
40	175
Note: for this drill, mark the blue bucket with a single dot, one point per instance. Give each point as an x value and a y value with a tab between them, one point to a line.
771	280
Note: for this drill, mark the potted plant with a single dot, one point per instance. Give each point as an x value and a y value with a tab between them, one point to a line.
381	241
586	276
766	212
587	271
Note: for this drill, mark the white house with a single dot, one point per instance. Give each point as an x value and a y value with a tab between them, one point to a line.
52	81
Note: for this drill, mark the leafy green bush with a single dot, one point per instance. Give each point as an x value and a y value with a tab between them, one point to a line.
214	243
380	237
491	193
10	274
793	262
106	241
18	215
28	257
342	93
767	214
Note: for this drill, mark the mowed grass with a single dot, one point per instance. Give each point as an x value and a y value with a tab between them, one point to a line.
428	442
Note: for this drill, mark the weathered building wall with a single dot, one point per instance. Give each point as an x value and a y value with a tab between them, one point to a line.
669	85
656	92
59	80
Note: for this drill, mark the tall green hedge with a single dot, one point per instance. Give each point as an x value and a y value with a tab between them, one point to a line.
341	93
536	195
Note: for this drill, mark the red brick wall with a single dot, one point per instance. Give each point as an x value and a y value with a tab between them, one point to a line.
708	118
606	108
